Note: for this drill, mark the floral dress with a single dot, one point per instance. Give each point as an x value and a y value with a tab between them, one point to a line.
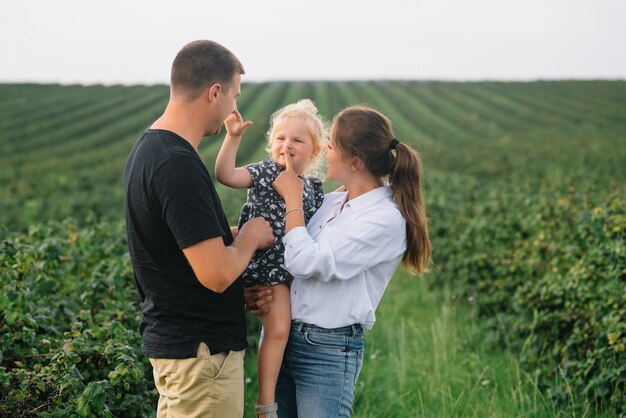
266	266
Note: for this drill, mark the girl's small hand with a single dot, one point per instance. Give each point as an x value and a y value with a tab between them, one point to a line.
235	126
289	185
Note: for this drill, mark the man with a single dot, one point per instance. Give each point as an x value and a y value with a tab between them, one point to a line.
185	257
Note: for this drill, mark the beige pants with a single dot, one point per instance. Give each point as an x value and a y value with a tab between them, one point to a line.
203	386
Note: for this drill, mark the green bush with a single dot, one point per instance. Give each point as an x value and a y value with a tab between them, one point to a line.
575	314
69	314
69	320
547	271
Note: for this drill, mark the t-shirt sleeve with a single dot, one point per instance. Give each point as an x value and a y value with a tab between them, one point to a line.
182	193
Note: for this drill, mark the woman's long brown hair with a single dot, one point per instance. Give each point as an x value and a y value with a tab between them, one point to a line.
365	133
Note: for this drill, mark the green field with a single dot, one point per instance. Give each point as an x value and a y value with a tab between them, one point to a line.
522	315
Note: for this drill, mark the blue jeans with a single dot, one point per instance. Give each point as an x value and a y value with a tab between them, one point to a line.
319	371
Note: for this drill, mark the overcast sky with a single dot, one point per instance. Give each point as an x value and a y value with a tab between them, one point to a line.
134	41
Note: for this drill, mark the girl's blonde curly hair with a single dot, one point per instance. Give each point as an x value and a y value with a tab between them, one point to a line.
316	126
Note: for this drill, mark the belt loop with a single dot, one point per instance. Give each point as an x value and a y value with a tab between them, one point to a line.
353	326
298	325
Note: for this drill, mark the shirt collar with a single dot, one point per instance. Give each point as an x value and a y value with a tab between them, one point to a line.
336	198
370	198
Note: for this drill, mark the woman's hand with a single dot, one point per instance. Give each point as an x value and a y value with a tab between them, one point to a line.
235	126
257	297
289	185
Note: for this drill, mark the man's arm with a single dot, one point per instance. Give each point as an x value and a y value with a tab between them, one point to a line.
217	266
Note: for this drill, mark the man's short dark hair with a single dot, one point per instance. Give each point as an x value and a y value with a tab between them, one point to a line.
200	64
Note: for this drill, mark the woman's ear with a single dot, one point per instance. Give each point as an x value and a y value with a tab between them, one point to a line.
356	164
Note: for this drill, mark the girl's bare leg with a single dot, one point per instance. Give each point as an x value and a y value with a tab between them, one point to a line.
276	327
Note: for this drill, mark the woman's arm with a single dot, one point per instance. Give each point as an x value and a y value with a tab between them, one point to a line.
343	252
291	188
225	170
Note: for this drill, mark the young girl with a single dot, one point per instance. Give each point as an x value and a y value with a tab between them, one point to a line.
296	131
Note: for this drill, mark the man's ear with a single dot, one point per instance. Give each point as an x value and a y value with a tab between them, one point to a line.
213	92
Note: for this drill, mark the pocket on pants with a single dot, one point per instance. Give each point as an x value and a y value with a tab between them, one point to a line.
323	340
218	363
164	366
214	364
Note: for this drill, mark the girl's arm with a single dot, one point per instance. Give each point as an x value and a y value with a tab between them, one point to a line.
225	170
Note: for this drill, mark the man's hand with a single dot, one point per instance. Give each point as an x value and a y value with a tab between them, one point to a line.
217	266
257	230
235	126
257	297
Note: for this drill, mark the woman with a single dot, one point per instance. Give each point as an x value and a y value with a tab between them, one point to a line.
344	259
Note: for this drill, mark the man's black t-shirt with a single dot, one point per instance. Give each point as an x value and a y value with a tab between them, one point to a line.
171	203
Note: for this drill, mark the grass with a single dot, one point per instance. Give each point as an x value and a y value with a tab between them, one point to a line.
428	356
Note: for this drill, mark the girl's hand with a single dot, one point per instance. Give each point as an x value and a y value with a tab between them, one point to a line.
289	185
235	126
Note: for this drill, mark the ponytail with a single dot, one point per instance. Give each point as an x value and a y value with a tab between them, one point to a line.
405	179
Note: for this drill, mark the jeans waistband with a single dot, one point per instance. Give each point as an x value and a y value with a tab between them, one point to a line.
353	329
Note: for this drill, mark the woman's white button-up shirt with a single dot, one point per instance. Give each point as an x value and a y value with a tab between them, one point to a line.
344	259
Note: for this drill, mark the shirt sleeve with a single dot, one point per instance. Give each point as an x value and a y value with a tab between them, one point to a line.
346	252
182	192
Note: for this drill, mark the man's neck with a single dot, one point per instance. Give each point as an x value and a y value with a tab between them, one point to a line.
181	120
